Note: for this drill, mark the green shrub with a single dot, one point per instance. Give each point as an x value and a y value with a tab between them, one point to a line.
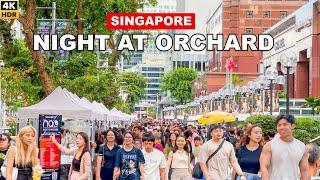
307	129
266	122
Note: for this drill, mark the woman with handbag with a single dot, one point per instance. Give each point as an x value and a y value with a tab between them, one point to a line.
106	157
23	157
179	161
81	164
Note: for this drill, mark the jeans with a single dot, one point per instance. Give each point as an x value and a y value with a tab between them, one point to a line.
64	171
250	177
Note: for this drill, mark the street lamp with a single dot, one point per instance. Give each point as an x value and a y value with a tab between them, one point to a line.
1	104
271	75
288	62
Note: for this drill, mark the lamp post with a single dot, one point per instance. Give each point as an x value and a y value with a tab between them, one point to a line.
288	62
263	82
272	75
1	104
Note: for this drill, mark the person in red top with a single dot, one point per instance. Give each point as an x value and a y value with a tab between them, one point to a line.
157	143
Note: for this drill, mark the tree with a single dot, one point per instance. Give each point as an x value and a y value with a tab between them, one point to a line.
152	111
18	88
134	85
313	103
90	19
94	88
28	22
77	64
20	82
179	82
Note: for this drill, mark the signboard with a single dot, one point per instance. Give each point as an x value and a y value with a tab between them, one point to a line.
49	124
44	26
49	153
51	174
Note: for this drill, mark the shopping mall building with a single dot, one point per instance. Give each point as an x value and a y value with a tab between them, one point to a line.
298	35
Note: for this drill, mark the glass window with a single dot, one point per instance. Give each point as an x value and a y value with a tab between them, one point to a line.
249	30
153	75
283	14
298	103
250	14
266	14
152	91
306	111
153	86
153	80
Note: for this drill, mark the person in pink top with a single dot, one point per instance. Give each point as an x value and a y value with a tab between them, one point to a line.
157	143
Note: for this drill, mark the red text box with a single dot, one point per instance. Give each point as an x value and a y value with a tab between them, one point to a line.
150	21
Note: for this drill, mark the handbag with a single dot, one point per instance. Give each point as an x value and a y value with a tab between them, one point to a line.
4	169
103	161
197	172
170	172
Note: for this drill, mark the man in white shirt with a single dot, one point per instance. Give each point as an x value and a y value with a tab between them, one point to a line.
155	161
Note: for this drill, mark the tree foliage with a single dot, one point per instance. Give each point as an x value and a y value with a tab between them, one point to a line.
20	82
179	82
96	87
313	103
37	74
307	129
134	85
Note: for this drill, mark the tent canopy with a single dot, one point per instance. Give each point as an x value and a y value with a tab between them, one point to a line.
58	102
70	106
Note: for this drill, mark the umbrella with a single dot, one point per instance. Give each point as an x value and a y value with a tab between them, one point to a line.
216	118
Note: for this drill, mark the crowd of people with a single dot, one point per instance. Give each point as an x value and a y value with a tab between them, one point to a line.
158	150
169	150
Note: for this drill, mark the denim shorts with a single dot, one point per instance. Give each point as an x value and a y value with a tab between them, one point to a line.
250	177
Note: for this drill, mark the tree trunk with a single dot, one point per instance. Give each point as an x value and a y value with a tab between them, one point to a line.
28	23
79	17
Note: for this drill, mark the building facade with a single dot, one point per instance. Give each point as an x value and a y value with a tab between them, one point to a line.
189	60
245	17
298	36
134	59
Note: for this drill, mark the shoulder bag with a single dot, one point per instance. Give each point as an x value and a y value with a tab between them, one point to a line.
14	169
103	160
197	172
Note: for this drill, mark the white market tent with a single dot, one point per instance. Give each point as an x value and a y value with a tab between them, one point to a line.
122	115
76	99
58	102
70	106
